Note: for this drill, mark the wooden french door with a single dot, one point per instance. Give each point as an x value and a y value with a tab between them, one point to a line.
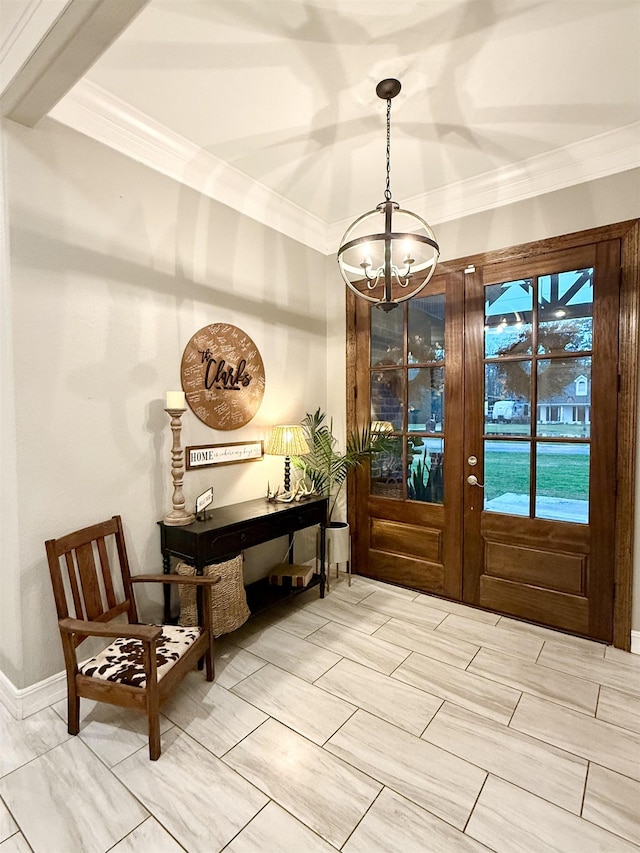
406	511
500	389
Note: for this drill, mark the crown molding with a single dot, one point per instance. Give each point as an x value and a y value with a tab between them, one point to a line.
597	157
28	30
96	113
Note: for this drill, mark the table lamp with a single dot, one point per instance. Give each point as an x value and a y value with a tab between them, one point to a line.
287	440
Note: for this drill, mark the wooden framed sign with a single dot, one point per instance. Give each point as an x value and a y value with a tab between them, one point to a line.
207	455
222	376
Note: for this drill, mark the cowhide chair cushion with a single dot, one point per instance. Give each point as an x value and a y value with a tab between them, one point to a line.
123	660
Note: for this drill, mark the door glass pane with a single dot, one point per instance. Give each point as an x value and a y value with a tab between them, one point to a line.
508	318
564	397
507	398
426	329
426	399
387	472
565	311
507	476
425	475
386	337
387	396
562	482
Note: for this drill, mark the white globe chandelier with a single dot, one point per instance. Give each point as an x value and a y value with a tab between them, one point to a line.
388	255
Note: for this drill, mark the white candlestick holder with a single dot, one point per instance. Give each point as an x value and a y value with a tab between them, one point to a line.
178	515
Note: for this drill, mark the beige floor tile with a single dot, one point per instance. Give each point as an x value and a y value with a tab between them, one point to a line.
8	826
462	688
374	585
401	704
446	606
394	824
607	672
366	649
360	588
233	664
296	703
323	792
299	621
352	615
383	602
587	647
111	732
619	656
289	652
544	770
15	844
23	740
215	717
428	643
508	819
595	740
620	708
491	637
273	830
149	837
68	800
531	678
194	795
613	802
434	779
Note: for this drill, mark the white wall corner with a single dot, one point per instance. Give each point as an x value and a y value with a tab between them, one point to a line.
635	642
24	703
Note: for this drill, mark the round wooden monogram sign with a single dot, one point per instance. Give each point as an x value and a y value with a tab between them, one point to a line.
222	376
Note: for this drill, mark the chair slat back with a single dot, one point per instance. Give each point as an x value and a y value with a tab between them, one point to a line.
106	573
73	583
83	578
91	592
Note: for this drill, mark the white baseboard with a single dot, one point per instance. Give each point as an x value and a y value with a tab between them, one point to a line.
635	642
30	700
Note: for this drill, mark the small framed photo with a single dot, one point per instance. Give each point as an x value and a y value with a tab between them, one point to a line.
204	500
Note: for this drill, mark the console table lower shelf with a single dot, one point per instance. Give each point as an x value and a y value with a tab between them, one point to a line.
263	595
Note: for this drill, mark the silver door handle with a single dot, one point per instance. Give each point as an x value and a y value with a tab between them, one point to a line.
473	481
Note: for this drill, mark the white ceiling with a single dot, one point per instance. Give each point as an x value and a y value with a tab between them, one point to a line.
283	91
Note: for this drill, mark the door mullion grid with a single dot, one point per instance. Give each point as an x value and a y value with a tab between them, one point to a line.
533	412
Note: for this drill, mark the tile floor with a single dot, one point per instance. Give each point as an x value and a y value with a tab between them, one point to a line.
376	719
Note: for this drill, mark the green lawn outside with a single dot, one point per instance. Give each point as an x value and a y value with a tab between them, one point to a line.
558	476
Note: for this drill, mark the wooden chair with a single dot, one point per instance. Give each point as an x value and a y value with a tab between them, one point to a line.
144	663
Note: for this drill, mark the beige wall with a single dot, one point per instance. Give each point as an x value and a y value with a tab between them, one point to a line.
602	202
113	268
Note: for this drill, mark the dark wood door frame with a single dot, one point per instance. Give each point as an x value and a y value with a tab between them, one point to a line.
628	374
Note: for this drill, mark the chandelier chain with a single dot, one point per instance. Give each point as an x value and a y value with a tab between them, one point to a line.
387	192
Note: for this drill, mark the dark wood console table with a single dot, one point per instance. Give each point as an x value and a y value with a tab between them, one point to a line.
228	530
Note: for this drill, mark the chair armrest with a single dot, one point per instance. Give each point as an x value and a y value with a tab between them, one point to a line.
101	629
189	580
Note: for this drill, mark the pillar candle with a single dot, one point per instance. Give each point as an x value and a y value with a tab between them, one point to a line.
175	400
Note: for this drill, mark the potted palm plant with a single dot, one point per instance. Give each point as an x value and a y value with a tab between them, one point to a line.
325	469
